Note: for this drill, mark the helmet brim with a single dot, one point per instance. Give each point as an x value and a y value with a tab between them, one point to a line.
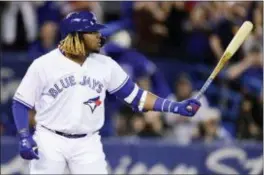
86	29
94	28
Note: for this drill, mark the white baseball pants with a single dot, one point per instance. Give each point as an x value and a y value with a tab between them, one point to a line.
57	153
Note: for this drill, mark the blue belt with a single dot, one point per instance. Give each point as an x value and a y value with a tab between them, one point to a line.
73	136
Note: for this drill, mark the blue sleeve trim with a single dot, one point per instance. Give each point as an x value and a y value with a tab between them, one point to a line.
125	90
119	87
24	103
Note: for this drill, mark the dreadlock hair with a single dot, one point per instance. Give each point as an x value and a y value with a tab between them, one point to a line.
73	44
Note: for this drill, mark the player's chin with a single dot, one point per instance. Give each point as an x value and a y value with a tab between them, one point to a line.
96	50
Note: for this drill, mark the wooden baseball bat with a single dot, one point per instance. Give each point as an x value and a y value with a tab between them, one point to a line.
233	46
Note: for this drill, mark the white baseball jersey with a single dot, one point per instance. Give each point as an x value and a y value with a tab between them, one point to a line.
69	97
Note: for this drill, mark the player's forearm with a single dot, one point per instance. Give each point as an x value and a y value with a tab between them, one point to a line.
150	101
155	103
20	113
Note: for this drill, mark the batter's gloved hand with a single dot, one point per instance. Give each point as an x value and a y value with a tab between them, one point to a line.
187	107
27	146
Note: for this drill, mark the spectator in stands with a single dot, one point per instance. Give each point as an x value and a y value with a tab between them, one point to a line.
256	37
252	59
198	30
48	39
137	123
210	128
149	25
214	11
248	72
246	126
130	123
49	16
122	122
18	25
121	126
225	29
176	16
125	21
147	125
48	10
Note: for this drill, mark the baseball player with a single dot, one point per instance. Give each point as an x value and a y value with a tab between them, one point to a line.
67	88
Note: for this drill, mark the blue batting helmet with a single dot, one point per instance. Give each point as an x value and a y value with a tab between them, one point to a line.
82	21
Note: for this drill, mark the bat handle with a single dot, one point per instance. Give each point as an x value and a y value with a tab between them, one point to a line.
204	88
201	92
198	95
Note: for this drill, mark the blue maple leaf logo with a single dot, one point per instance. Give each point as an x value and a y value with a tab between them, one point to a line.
93	103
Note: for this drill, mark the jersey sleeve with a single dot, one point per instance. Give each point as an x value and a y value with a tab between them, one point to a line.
118	77
30	87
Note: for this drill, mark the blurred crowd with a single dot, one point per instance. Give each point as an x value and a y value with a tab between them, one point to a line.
141	34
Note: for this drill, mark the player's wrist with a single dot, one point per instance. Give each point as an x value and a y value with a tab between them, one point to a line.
165	105
23	133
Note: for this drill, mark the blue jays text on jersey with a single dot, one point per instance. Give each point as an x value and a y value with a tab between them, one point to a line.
70	81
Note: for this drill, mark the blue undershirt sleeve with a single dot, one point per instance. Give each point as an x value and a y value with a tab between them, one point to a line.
20	113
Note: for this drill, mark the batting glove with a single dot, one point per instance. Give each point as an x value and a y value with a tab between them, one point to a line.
27	146
187	107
